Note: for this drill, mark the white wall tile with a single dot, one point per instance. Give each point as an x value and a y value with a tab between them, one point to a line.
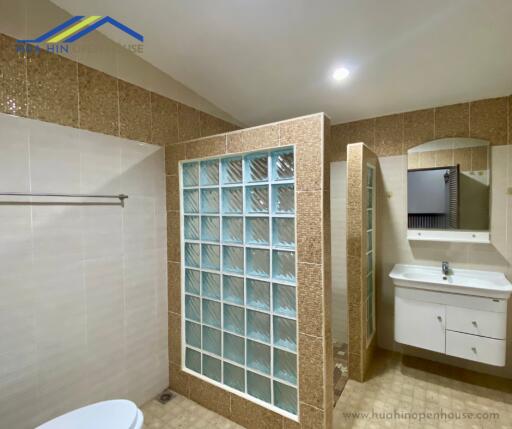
83	287
15	161
54	158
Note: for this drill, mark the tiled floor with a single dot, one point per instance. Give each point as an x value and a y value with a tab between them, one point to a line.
398	395
182	413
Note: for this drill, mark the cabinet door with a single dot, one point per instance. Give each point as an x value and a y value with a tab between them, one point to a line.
420	324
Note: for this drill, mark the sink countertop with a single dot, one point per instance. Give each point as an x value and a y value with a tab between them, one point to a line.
490	284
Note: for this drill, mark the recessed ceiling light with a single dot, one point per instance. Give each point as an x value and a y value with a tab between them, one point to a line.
340	74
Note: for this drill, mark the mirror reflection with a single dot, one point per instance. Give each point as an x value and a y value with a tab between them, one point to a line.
448	185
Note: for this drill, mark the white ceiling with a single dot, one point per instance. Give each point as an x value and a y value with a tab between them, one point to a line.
267	60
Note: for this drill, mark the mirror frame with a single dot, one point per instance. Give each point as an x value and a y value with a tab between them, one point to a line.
453	235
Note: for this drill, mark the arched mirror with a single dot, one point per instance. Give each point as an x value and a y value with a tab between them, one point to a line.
448	190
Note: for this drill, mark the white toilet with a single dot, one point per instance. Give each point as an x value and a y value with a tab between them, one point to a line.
115	414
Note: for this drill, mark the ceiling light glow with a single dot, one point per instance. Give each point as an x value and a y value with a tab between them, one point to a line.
340	74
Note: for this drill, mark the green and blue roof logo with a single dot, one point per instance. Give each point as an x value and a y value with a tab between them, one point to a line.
78	27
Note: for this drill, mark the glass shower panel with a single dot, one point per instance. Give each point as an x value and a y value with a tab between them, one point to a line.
239	283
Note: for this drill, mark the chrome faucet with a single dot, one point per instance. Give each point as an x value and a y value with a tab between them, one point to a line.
445	267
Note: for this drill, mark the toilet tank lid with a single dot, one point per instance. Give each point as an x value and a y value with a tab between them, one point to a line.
115	414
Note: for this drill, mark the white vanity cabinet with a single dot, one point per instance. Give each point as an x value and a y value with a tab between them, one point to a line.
420	324
469	327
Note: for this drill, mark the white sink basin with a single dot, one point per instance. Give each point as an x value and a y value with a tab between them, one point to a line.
468	282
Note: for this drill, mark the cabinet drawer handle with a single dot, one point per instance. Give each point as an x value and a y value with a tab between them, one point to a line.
474	323
473	349
439	318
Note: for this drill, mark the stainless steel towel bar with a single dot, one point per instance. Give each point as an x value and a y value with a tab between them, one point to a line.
121	197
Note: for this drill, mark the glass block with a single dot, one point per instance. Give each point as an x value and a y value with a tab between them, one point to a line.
192	281
233	290
232	200
283	300
257	167
212	368
234	319
234	348
285	333
282	165
210	228
369	240
192	308
369	177
191	201
210	256
258	262
258	294
369	283
369	219
193	334
258	356
369	198
233	259
212	341
191	227
192	255
233	230
257	231
193	360
285	366
283	232
209	201
256	199
258	326
211	313
283	199
234	377
211	285
210	172
258	386
283	265
285	397
232	170
191	174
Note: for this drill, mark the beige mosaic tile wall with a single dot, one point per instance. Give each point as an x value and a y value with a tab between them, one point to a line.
55	89
310	135
489	119
360	351
390	137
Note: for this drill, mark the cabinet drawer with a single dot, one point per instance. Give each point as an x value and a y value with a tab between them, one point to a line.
476	322
472	347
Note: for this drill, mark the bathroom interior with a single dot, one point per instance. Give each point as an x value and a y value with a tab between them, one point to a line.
268	215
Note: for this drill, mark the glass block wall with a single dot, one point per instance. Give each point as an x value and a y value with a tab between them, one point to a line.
370	254
239	275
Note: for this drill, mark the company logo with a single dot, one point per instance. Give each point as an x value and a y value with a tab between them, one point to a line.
58	38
